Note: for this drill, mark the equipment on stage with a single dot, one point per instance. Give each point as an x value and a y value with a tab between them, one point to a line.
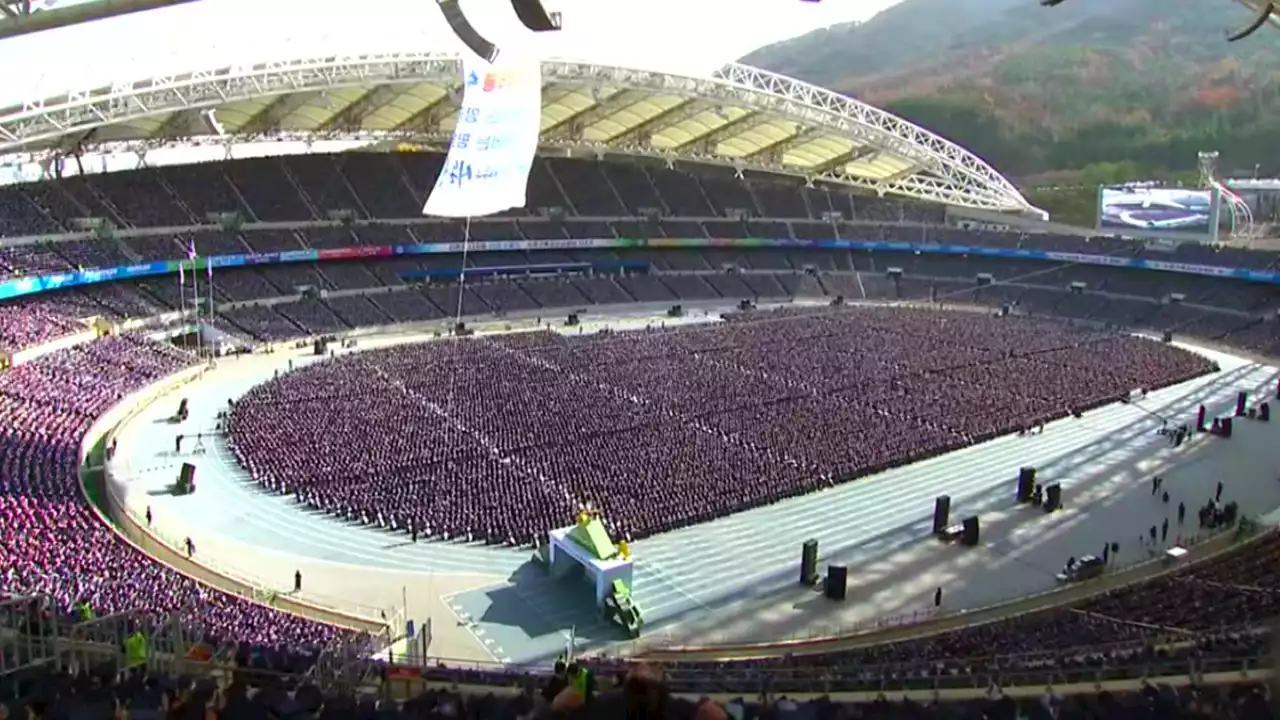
966	533
837	301
941	513
186	480
620	609
1087	568
1052	497
461	330
676	311
745	305
572	320
1221	427
1200	419
1026	484
837	584
809	563
1242	399
586	550
1167	336
1264	412
320	347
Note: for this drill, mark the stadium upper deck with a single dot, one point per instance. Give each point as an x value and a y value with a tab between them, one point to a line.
736	116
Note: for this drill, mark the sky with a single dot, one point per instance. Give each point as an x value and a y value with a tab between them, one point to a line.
681	36
690	37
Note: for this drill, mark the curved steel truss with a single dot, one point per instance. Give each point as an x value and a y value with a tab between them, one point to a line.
738	116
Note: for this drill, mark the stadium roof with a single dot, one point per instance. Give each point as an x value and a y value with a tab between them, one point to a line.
738	116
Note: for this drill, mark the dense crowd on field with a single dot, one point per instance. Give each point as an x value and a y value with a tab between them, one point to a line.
499	440
699	420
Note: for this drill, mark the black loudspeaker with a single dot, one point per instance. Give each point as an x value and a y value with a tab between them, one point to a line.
1026	484
941	514
675	311
837	586
462	28
186	480
809	563
1052	497
1264	412
1225	428
533	16
970	535
1242	399
1167	336
320	347
572	320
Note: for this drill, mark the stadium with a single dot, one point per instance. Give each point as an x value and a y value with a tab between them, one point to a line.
268	426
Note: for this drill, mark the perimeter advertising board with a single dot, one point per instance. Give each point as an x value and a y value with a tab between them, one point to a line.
1183	213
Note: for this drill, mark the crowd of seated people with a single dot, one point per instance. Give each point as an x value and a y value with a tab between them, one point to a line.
55	545
666	428
640	692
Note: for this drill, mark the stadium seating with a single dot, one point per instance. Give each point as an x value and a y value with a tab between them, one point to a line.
753	437
102	693
55	545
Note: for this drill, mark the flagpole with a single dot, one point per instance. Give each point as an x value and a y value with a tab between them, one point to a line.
192	258
182	300
209	267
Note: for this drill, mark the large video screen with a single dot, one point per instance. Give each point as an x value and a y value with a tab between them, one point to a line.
1159	212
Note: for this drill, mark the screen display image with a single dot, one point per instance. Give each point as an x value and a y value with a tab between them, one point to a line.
1156	211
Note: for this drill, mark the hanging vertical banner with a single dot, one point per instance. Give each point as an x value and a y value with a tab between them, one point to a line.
487	167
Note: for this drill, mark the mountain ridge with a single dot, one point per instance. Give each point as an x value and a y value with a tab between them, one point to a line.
1094	89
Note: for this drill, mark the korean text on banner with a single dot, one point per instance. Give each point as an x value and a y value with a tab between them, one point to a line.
487	167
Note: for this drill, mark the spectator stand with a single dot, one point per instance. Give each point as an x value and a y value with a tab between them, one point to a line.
663	579
134	528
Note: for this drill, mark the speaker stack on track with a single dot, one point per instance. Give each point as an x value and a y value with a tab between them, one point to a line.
941	514
837	583
1052	497
809	563
1026	484
971	533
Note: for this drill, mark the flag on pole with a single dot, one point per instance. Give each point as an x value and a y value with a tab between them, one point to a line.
491	154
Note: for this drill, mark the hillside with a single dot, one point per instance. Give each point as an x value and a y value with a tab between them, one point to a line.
1103	88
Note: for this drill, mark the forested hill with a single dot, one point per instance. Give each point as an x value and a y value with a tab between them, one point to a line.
1115	88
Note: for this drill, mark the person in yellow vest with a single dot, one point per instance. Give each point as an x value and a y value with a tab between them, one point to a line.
135	650
84	610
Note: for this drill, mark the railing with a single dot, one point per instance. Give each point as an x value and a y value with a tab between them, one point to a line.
972	675
49	643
